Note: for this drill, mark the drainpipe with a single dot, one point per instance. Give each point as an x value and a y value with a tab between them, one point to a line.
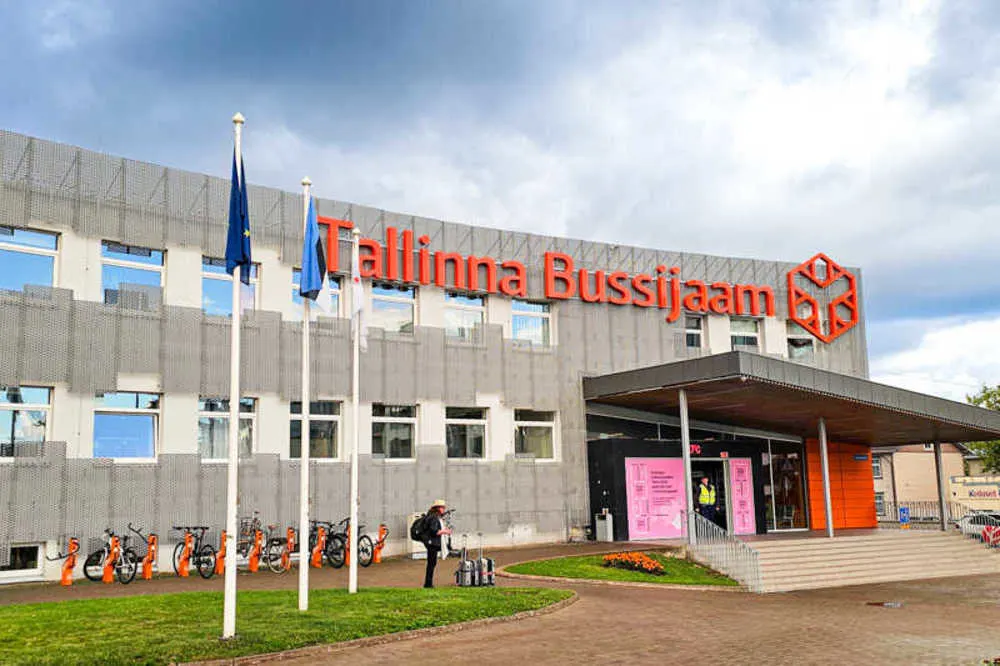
825	462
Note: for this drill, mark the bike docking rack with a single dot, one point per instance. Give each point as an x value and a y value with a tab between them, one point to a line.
114	552
220	556
149	560
184	563
316	560
383	534
253	560
194	549
286	553
66	579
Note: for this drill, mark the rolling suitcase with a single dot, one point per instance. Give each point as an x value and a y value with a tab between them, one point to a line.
485	567
465	574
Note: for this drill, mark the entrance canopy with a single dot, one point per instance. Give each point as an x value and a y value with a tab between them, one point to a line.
753	391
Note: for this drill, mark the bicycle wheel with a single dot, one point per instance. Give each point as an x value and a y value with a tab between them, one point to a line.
126	566
335	551
275	549
176	559
205	561
93	566
366	550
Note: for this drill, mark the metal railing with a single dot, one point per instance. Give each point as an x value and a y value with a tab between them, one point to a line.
982	526
924	514
725	553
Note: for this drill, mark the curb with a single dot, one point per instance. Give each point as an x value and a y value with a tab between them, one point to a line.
503	573
372	641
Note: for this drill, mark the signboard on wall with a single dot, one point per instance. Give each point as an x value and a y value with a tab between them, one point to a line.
654	490
741	496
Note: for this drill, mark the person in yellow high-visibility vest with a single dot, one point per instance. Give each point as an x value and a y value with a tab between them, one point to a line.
705	499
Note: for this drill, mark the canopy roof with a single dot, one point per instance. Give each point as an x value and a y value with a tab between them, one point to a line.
753	391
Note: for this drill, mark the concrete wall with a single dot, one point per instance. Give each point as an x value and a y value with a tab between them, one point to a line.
916	476
66	338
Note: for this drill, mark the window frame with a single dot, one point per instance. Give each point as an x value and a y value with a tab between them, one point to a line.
26	574
880	499
518	423
688	331
463	307
335	292
33	407
877	463
795	332
38	251
409	300
335	418
244	416
411	420
547	315
484	422
135	265
734	334
226	277
157	421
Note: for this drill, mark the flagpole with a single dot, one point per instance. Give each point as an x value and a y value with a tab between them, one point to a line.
352	587
305	452
232	478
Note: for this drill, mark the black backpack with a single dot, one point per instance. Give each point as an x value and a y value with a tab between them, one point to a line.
420	530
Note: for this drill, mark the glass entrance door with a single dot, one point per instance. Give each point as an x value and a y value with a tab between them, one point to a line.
788	486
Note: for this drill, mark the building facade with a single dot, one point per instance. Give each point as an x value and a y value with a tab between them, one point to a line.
114	358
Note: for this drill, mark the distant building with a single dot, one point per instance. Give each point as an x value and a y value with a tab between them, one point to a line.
908	474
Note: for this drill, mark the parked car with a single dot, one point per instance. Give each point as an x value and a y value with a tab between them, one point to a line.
980	525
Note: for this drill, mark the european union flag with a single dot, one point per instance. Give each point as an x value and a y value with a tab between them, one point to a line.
238	239
313	257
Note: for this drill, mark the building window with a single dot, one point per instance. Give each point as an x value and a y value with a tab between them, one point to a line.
324	429
213	427
745	334
27	257
534	433
880	504
464	315
928	447
24	417
876	466
692	331
531	323
393	427
126	424
217	288
465	431
393	307
23	560
333	283
131	276
801	345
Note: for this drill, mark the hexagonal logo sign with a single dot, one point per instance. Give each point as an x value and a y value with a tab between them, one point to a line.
806	311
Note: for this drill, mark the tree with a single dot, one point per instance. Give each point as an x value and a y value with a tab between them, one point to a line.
988	397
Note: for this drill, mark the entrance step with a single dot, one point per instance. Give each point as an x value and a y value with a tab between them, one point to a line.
810	563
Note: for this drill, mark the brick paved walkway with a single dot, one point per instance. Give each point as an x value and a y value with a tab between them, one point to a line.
951	621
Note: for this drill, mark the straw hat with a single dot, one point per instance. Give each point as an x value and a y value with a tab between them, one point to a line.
439	502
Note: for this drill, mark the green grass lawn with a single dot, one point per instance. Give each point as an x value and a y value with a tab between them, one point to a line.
677	571
157	629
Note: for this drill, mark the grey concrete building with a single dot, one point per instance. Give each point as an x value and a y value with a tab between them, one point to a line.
114	361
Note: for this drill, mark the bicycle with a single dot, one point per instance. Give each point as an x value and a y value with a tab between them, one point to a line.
193	550
279	550
366	547
114	558
333	550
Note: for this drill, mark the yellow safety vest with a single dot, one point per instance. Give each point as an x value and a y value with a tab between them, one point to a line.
706	494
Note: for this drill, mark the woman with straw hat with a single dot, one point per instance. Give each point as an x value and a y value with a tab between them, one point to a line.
434	528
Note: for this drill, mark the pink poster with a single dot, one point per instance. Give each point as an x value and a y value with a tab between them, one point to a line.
741	496
654	490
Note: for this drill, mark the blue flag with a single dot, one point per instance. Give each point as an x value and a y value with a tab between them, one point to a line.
313	257
238	238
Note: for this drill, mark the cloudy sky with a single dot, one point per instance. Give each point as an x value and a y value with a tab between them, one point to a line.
868	130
